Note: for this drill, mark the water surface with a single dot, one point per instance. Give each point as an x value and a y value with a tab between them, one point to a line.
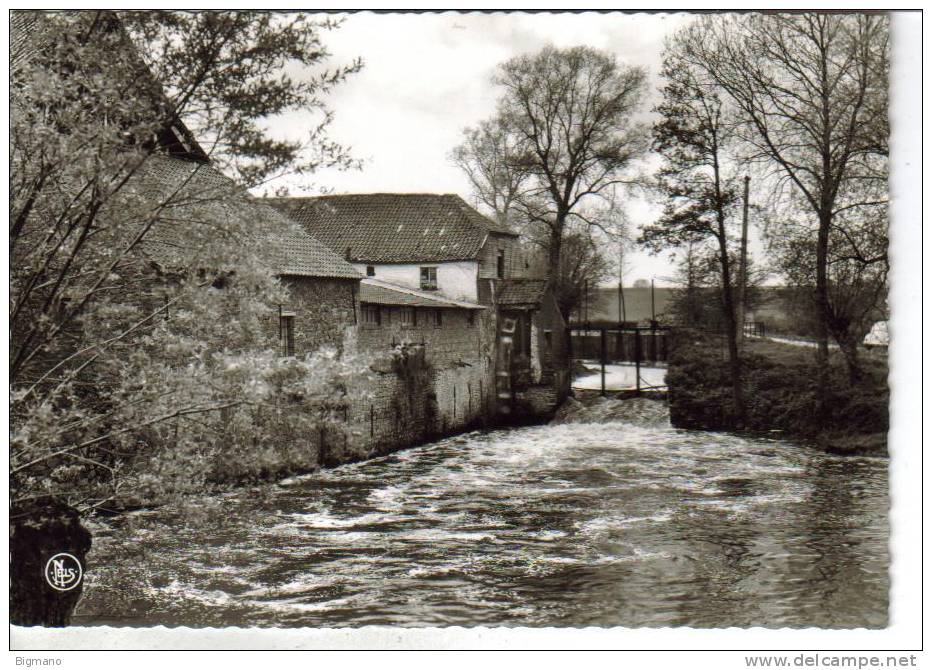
621	522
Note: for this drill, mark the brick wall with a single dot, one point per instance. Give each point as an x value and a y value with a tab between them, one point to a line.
323	310
448	343
447	387
394	411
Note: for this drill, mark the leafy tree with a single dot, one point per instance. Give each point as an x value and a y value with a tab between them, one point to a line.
225	75
562	142
810	98
694	136
139	296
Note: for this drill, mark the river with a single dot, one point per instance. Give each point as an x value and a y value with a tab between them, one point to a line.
614	519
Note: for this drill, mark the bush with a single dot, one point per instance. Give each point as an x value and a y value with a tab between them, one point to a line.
781	393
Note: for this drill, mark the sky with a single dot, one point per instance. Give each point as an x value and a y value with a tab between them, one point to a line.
426	77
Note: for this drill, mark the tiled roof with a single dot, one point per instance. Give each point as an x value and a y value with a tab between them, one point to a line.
521	291
23	30
35	32
382	293
394	227
205	201
205	197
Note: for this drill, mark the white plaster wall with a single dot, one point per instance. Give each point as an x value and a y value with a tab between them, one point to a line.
455	279
535	353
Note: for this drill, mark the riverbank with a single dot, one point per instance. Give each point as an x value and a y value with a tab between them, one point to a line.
604	517
781	395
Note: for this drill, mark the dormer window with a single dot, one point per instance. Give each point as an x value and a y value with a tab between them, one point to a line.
428	278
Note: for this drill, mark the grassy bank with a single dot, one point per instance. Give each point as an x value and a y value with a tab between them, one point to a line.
781	394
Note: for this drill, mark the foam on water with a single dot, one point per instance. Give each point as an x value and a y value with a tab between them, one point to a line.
607	517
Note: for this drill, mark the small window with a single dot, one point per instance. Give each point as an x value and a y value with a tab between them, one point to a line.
438	318
428	279
370	271
371	315
408	316
471	318
286	333
500	268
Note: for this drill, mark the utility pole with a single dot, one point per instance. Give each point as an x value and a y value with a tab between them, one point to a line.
743	277
620	306
622	317
602	354
653	311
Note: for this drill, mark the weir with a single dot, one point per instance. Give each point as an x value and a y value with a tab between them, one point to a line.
626	357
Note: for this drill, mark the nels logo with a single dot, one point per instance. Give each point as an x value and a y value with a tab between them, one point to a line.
63	572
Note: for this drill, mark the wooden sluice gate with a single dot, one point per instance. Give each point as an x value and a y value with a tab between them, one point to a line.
626	344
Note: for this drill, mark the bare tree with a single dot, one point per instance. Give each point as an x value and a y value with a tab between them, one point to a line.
496	184
561	143
694	135
811	97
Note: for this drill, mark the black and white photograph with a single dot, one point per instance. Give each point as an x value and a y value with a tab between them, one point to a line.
411	319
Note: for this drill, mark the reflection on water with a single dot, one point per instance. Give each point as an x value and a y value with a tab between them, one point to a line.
624	522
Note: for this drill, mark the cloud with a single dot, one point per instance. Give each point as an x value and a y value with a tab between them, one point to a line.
428	76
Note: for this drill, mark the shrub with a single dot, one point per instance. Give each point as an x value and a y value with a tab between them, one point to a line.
780	390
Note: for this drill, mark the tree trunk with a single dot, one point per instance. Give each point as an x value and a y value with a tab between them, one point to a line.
822	305
554	276
728	304
554	249
731	327
37	534
849	349
743	276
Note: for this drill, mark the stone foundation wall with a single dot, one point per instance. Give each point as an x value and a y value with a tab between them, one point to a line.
401	408
430	380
